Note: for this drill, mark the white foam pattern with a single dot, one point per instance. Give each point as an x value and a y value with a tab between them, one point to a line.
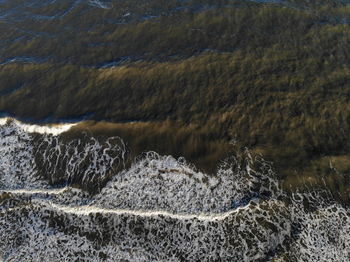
157	182
159	209
27	156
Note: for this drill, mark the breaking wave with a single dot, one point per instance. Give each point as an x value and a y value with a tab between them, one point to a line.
158	209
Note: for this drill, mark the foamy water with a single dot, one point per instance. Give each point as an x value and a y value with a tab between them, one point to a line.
55	129
158	209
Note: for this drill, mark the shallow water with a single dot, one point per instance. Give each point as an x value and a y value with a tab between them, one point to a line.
159	209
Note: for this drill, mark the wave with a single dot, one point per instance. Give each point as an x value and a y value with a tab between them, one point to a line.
39	129
158	209
33	156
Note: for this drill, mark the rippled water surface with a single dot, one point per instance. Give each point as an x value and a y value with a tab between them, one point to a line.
182	78
158	209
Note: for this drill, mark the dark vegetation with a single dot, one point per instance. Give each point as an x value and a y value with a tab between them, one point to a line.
193	75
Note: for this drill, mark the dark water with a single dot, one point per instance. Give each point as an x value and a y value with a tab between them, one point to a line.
79	199
159	209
